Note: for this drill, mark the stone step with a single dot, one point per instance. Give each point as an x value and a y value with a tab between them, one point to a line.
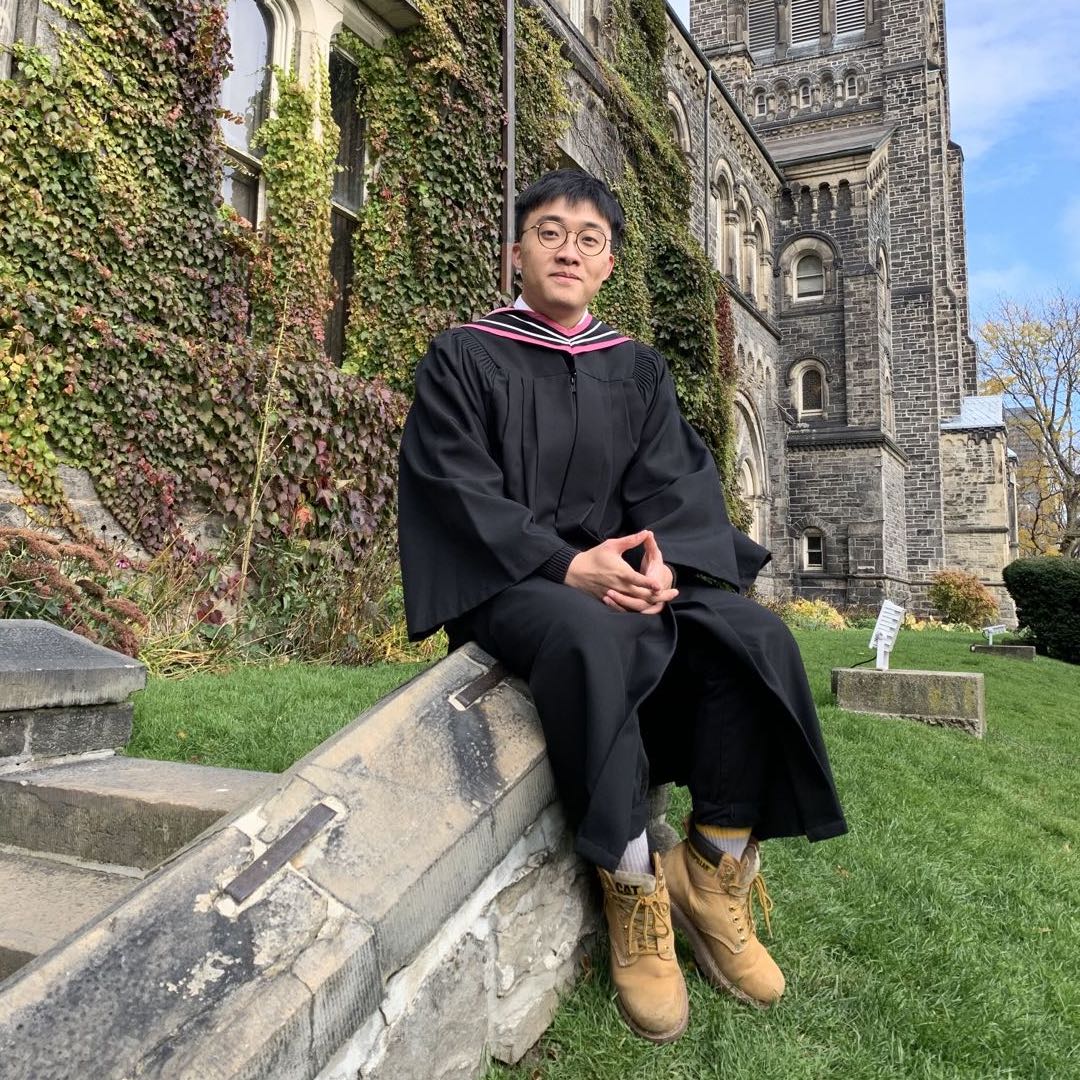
125	811
42	901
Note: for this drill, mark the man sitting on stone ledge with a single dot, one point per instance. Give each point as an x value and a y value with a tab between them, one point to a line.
557	508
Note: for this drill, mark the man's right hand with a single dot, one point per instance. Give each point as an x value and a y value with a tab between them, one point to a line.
602	570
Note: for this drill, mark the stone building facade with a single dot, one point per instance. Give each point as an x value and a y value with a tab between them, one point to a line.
873	402
827	191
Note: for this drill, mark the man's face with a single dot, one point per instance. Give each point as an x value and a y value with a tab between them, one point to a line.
560	282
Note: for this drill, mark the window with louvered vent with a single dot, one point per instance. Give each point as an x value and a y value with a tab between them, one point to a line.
762	24
805	20
850	15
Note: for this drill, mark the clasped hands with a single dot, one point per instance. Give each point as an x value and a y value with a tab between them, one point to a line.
604	573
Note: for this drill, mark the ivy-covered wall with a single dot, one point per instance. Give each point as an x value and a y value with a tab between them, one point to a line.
149	316
151	336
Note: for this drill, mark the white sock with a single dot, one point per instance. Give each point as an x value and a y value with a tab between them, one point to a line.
635	859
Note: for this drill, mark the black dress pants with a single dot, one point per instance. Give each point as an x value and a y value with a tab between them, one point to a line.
628	700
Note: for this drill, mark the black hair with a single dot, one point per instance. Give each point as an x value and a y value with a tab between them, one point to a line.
575	186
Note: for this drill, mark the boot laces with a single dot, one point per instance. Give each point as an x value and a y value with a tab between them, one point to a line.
649	921
765	902
741	908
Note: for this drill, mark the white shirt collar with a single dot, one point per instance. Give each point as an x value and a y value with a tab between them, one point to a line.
520	304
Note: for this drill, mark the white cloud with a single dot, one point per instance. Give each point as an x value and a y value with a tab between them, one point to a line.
1005	58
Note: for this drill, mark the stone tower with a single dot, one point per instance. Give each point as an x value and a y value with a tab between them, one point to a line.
851	99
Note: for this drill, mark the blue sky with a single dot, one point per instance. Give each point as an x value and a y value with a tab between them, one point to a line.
1014	79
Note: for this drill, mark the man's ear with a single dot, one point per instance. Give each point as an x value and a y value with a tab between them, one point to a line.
515	255
610	266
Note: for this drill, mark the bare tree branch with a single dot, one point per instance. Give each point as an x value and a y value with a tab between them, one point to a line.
1033	357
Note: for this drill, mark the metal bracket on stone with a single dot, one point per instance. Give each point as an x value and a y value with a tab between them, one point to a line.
280	852
473	691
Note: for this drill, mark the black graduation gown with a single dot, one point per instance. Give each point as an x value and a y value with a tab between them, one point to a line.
525	438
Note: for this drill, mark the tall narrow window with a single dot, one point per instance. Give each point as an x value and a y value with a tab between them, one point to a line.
760	103
8	14
813	550
811	392
851	87
850	16
809	278
805	21
348	193
762	24
17	22
244	94
804	95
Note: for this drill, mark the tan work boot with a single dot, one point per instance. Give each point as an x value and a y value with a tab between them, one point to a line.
652	993
711	905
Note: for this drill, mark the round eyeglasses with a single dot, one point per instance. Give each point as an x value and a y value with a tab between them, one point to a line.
553	235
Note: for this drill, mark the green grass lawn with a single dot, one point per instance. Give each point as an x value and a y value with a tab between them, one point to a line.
255	717
939	938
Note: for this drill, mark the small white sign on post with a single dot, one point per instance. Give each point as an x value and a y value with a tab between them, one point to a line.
990	631
885	630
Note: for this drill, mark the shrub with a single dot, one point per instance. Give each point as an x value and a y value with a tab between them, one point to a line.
72	585
1047	595
960	597
812	615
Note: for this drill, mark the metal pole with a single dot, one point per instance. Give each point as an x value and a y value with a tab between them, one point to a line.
708	171
506	268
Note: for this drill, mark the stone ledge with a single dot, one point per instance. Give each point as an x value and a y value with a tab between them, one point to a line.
946	698
45	667
177	980
118	810
1013	652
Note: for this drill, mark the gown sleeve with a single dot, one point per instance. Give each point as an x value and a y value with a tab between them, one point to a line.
671	486
461	539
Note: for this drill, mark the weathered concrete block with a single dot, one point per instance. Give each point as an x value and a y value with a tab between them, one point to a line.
128	811
1013	652
43	733
441	814
177	982
542	926
42	901
946	698
472	782
441	1035
43	666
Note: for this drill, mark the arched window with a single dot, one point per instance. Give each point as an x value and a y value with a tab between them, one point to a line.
805	97
851	86
761	285
348	193
680	121
245	95
761	103
724	253
743	270
811	392
809	277
813	550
